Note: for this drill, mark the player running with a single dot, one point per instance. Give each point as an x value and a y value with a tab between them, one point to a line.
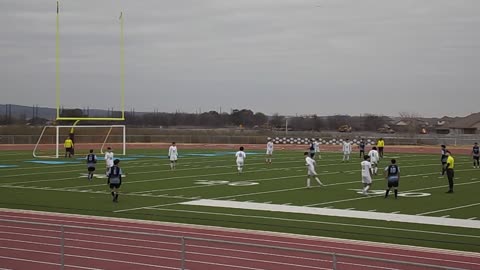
347	150
241	156
269	151
392	174
361	146
115	179
311	173
173	156
366	174
443	158
316	145
476	155
109	158
374	159
91	162
311	149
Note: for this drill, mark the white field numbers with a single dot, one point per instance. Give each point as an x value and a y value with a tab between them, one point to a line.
225	182
400	194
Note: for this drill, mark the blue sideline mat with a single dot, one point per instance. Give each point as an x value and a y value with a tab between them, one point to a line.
8	166
52	162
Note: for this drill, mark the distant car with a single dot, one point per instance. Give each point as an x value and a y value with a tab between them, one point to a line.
345	128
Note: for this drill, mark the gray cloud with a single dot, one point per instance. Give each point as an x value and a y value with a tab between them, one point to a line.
286	56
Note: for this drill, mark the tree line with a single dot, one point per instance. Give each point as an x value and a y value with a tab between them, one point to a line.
243	118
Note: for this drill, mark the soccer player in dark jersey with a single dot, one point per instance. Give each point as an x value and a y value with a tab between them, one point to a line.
392	174
311	149
91	162
443	159
361	146
476	155
115	179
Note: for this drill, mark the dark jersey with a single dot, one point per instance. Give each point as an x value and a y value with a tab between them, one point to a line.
362	146
476	150
91	159
115	175
393	170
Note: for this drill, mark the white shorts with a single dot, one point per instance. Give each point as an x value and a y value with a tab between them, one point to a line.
173	158
109	163
374	163
366	179
240	163
311	172
269	152
347	153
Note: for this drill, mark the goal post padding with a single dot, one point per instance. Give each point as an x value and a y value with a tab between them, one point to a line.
85	137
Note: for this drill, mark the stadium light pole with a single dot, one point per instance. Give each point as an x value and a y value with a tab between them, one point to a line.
286	125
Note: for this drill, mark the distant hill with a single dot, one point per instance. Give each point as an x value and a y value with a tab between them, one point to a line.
20	111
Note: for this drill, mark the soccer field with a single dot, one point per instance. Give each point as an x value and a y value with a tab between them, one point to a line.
206	189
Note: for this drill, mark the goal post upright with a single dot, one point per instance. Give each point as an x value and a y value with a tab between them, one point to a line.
59	111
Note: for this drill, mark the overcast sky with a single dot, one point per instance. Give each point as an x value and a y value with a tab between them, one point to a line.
287	56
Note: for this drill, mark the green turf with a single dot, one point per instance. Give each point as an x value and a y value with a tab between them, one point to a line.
150	183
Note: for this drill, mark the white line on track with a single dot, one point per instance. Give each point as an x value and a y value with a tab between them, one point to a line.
128	224
49	263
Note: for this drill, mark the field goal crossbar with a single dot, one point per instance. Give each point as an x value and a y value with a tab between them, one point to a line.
57	138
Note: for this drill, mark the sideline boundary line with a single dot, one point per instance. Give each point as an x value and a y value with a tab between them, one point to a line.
370	215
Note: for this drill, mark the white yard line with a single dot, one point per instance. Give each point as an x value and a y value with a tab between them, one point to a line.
448	209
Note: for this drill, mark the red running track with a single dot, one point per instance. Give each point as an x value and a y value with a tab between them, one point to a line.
118	244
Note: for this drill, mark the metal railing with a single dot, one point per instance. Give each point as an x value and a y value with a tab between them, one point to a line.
93	248
232	139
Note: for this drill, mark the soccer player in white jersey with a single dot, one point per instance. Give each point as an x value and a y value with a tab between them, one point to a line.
173	155
240	155
366	174
109	158
311	173
269	151
374	159
347	150
316	145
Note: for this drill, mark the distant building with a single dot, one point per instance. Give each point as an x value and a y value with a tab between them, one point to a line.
459	125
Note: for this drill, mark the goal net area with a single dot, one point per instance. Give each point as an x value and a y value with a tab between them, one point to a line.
51	141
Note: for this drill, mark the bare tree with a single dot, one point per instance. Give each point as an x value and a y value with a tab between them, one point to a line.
411	120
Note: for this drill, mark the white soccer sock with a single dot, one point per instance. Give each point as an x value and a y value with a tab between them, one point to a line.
308	182
171	165
318	181
375	170
366	188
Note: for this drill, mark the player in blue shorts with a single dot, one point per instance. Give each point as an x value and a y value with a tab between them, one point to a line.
115	179
476	156
91	162
392	174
